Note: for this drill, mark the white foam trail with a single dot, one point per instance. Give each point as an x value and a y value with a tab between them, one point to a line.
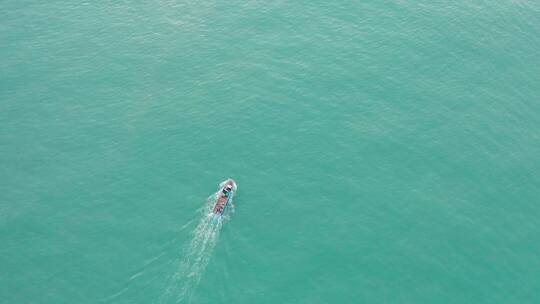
196	256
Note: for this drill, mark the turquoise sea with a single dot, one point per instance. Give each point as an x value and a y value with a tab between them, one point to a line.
385	151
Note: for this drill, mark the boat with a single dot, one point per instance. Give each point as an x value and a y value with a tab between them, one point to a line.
224	197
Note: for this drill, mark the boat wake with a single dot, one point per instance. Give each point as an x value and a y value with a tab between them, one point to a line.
182	284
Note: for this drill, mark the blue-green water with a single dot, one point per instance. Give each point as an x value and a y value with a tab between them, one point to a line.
385	151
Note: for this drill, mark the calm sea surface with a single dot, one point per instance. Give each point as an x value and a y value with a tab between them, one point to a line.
385	151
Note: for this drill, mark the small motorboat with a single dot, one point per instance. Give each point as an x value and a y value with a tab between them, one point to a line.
224	196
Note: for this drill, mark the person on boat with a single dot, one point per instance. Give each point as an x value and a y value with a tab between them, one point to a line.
226	190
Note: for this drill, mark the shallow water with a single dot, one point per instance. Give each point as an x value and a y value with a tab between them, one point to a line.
386	151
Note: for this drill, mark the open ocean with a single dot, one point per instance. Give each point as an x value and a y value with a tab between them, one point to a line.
385	151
